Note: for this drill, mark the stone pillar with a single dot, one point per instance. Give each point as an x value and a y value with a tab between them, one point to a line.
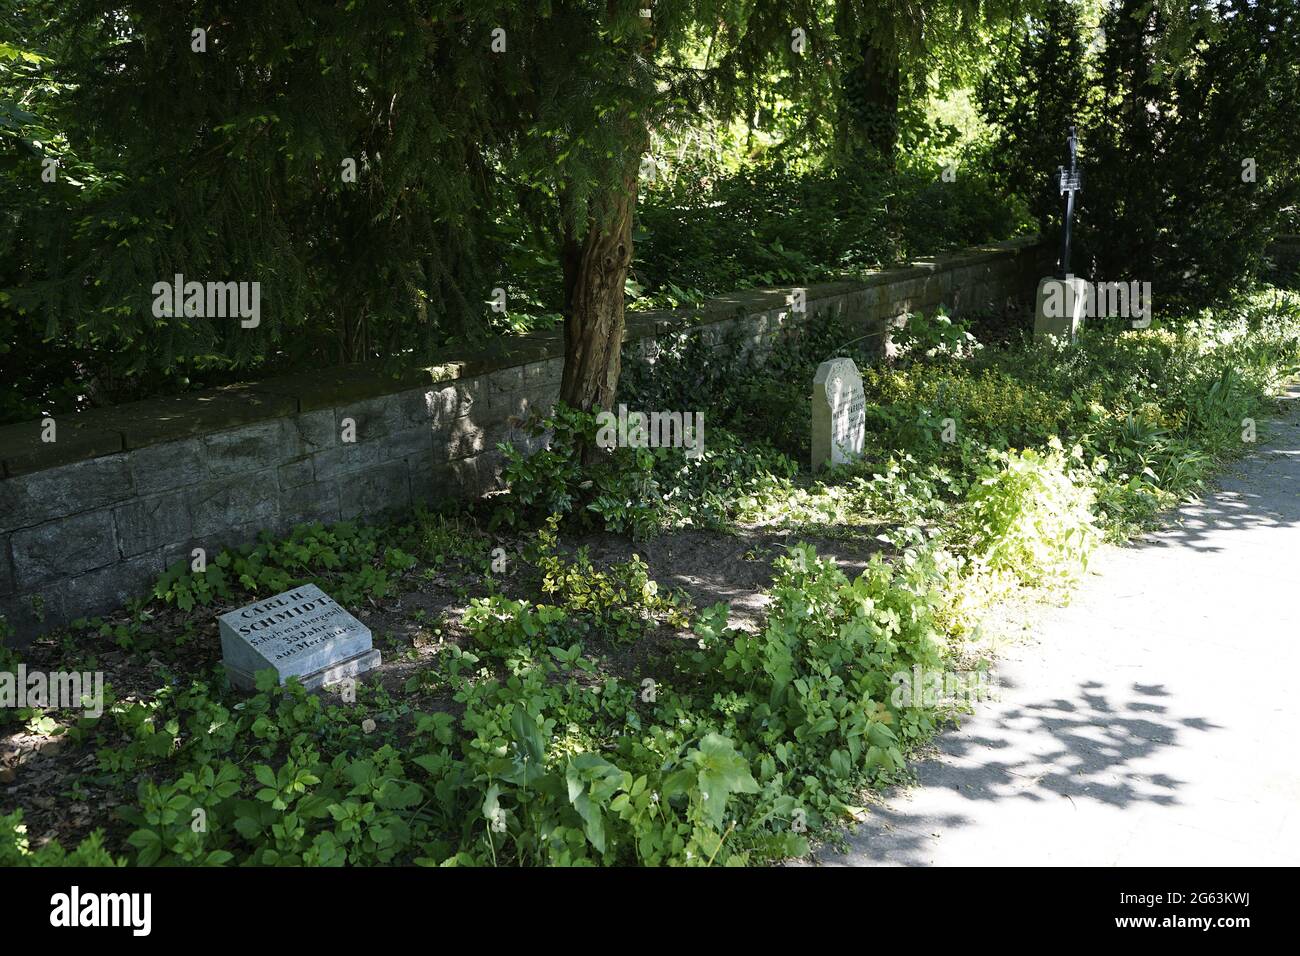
839	413
1060	308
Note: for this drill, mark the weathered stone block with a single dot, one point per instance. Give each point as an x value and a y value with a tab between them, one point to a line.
465	438
427	407
910	289
441	448
965	276
147	524
213	543
251	498
108	589
518	407
872	296
313	431
371	492
438	406
57	492
296	473
171	465
471	395
306	504
325	388
461	478
251	448
374	418
173	417
407	442
506	379
183	551
63	547
6	566
23	448
489	467
426	478
34	613
544	373
344	459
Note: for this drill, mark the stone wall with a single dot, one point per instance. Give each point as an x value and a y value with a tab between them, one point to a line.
95	516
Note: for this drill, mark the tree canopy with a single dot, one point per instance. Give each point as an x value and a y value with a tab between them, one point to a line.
380	167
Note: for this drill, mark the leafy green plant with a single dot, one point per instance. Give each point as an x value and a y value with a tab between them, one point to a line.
15	848
618	603
934	336
636	491
353	561
1029	516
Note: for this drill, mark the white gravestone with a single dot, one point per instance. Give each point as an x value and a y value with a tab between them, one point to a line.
301	633
1061	308
839	413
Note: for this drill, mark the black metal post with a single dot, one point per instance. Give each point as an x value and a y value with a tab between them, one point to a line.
1068	183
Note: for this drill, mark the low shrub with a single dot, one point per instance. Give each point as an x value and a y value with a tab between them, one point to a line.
1029	517
637	491
16	848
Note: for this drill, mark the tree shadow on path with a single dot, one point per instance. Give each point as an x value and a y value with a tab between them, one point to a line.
1082	748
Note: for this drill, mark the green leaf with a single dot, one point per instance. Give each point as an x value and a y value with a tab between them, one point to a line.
149	845
721	772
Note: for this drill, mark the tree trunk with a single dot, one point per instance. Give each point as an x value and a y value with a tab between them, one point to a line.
869	90
595	270
878	105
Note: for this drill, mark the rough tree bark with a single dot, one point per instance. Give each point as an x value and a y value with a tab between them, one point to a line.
595	270
596	262
877	77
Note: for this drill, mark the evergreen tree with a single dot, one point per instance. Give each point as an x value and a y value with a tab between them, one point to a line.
317	149
1034	93
215	140
590	81
1193	159
887	52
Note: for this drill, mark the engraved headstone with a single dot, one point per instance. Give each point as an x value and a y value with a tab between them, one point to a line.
301	633
839	413
1061	308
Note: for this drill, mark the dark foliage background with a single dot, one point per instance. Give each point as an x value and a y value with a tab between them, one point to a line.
226	165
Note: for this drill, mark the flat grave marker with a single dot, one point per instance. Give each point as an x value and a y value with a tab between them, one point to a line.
301	633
